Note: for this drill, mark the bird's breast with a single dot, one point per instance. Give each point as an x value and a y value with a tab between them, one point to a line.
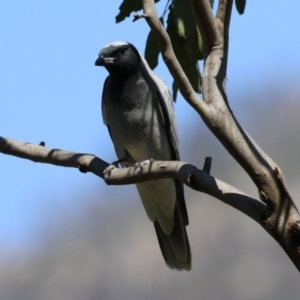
136	123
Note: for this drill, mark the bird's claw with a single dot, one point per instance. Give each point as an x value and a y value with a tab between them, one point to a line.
119	162
139	165
107	172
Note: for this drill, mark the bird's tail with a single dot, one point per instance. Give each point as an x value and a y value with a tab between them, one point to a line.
175	247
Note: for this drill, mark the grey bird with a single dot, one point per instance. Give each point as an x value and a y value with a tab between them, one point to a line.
138	110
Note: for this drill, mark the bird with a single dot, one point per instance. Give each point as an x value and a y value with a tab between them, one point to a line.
137	108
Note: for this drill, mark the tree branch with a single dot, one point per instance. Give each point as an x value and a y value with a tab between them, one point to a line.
281	218
38	153
194	178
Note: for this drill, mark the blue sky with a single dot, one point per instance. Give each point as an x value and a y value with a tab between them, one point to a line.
50	91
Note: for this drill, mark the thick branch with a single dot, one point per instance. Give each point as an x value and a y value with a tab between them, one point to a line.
218	116
223	17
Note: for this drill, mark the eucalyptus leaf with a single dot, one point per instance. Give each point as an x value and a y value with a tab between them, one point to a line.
186	49
187	28
240	6
152	50
174	90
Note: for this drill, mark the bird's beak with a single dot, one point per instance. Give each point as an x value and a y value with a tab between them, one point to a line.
100	61
103	61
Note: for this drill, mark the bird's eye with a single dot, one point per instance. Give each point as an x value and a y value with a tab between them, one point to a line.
122	51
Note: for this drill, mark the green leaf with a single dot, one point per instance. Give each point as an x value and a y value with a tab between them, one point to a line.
152	50
240	6
127	7
187	28
184	18
185	41
174	90
199	45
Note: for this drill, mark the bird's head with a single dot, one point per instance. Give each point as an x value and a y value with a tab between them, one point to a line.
119	57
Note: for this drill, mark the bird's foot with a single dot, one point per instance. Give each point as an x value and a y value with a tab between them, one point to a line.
139	165
114	164
107	171
118	162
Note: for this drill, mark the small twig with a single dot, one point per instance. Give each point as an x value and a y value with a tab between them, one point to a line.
207	164
166	9
138	16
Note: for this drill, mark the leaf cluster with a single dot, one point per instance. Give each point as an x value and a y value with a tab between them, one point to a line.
184	34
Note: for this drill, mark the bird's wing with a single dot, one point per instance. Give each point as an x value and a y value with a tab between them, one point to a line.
167	109
103	107
169	118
